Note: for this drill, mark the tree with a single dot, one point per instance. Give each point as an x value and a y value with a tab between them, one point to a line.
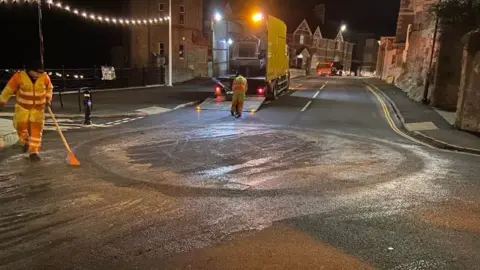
458	15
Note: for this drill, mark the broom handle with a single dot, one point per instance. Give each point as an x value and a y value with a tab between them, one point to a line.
59	130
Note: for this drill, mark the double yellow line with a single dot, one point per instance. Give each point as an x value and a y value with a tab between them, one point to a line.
378	94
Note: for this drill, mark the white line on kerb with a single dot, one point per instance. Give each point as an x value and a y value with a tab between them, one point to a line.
323	86
306	106
316	94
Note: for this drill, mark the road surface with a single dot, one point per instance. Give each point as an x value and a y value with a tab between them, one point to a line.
318	179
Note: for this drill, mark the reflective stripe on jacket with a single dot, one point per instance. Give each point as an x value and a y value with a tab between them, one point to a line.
29	95
240	84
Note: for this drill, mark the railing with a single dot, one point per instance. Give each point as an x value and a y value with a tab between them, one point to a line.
74	79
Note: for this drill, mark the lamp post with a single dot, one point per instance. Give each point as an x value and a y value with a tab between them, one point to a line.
170	49
343	27
149	51
218	17
40	32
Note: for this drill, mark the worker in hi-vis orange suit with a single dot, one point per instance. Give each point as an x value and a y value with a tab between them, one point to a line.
33	91
239	87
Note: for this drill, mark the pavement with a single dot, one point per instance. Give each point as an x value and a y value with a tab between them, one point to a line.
426	123
324	177
113	107
8	135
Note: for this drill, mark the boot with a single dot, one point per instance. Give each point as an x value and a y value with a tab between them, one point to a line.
238	116
232	113
34	157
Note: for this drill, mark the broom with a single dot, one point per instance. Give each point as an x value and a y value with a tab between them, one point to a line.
71	159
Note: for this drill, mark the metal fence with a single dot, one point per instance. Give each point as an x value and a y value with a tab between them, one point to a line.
74	79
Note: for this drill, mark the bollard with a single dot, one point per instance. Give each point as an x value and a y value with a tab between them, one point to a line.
87	104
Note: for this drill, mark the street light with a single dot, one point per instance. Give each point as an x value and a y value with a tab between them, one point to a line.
218	17
170	49
343	27
257	17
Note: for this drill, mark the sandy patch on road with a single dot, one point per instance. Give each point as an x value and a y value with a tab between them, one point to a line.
277	247
457	215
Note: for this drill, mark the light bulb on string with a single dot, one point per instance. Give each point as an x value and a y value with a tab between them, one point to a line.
94	16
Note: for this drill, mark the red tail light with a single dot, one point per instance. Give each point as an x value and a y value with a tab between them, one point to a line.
218	90
261	90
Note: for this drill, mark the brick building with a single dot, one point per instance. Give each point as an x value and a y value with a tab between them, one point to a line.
316	41
148	45
418	57
415	62
386	68
364	56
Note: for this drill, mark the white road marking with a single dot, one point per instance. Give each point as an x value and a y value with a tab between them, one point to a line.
316	94
60	120
421	126
153	110
306	106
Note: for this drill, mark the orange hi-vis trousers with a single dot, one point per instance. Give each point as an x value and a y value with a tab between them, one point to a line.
237	101
33	118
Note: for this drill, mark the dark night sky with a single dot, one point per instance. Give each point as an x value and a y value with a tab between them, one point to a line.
75	42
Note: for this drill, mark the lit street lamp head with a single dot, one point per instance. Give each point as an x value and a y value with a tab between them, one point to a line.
343	28
218	17
257	17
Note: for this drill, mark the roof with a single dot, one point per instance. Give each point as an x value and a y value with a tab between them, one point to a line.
329	29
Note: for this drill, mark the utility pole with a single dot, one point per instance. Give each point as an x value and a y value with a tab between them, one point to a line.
40	32
149	51
335	51
326	52
228	46
170	49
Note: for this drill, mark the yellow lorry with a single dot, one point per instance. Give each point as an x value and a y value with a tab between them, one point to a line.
260	55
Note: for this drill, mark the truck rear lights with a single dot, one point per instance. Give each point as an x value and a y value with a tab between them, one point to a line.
218	90
261	90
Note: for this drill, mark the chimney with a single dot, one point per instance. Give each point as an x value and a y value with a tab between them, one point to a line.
319	11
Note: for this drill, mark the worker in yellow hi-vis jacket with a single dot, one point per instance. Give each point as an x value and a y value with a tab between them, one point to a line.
33	90
239	88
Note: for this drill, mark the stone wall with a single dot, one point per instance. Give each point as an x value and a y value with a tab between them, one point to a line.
448	71
414	70
468	108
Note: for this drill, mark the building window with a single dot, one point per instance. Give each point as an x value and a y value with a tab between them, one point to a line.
161	7
302	39
181	51
161	48
182	14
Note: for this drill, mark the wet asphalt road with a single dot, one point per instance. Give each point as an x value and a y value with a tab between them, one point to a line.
317	179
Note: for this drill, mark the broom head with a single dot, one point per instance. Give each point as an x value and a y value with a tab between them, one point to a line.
72	160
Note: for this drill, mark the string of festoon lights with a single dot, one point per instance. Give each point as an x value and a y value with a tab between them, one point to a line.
96	17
